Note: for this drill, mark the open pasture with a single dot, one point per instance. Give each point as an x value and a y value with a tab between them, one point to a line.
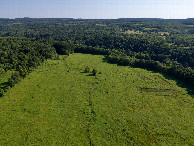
59	104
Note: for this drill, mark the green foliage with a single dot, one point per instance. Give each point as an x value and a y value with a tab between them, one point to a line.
167	45
63	48
2	71
94	72
155	39
56	57
87	70
15	78
22	71
58	105
123	106
22	53
6	88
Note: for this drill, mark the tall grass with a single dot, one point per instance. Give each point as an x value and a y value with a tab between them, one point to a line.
60	104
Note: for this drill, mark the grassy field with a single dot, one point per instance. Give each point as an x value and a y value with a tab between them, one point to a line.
59	104
148	28
131	32
162	33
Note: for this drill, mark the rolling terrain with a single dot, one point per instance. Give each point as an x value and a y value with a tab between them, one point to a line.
58	103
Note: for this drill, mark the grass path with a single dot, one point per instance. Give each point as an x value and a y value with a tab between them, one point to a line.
58	104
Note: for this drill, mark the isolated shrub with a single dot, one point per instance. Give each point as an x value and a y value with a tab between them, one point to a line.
87	69
94	72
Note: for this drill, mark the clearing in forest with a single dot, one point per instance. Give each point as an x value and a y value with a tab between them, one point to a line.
60	104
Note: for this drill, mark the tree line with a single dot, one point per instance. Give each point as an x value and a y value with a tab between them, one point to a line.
26	43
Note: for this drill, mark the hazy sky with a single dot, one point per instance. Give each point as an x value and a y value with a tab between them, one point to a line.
97	8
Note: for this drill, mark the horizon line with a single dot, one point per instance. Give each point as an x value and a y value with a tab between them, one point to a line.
91	18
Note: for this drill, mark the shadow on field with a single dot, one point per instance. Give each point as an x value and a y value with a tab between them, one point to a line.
4	85
181	84
90	75
105	59
188	87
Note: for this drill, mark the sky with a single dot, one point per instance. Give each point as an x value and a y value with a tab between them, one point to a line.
97	9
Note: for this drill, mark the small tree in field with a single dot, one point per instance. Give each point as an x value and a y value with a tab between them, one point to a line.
94	72
87	69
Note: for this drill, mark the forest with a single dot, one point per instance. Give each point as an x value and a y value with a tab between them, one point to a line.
162	45
96	81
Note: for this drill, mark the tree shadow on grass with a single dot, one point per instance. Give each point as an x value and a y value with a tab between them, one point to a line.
90	75
105	59
179	83
182	84
4	85
187	86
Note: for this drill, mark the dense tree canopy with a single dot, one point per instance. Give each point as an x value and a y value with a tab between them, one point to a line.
159	44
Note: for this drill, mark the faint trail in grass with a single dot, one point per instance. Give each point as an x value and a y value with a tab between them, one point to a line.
161	80
114	108
91	114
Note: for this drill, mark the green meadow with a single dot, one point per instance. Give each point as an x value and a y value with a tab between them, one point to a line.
59	104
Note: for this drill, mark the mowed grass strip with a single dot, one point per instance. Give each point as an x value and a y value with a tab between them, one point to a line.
59	104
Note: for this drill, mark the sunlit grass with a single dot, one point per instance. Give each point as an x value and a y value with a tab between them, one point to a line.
59	104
